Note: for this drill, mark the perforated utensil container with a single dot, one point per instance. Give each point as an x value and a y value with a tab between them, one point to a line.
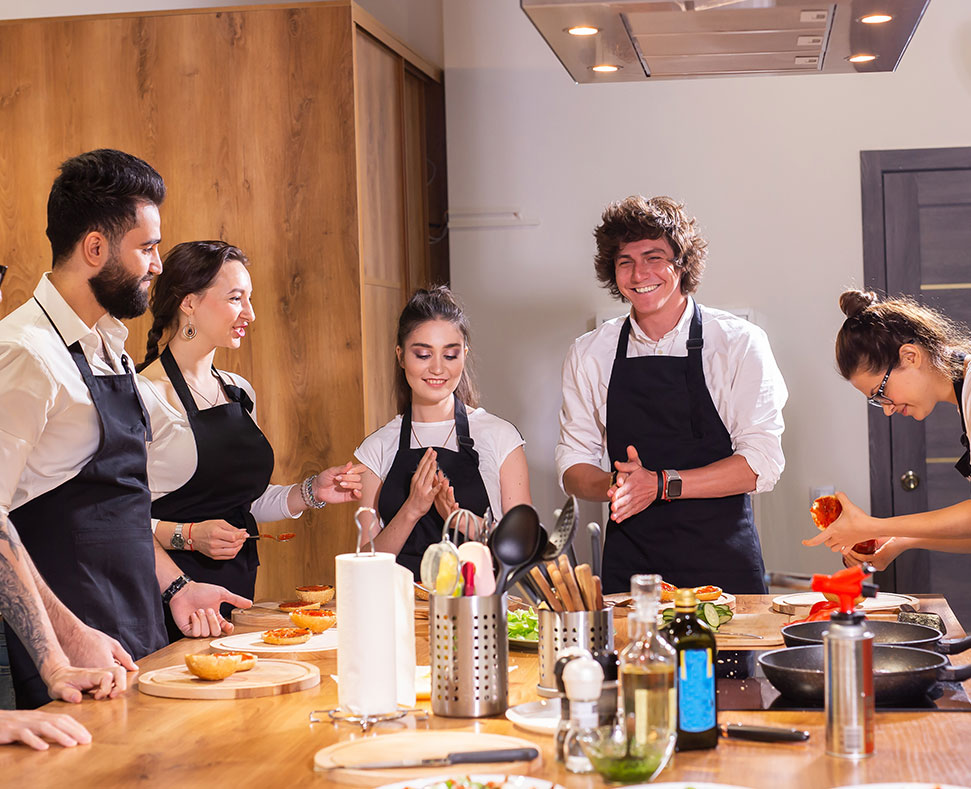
469	649
593	630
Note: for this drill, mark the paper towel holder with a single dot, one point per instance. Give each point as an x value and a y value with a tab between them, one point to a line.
360	528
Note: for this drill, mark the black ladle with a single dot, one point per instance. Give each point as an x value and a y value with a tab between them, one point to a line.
515	541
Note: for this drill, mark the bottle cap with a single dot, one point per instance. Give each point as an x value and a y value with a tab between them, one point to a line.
608	662
583	679
685	598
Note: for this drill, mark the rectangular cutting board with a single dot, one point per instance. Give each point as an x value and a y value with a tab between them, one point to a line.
418	745
268	677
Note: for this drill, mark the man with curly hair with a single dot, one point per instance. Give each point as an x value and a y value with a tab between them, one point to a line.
685	401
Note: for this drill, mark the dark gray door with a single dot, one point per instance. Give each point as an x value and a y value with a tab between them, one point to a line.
917	242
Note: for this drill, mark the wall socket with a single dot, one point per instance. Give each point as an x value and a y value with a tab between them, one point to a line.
821	490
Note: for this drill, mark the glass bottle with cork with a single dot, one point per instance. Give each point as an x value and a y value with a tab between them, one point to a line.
694	644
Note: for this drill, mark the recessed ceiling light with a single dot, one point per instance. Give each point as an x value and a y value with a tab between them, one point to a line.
875	19
861	58
582	30
605	68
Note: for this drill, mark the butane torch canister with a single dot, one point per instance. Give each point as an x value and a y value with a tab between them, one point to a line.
848	657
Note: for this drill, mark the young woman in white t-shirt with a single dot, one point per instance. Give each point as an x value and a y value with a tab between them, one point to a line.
442	451
905	358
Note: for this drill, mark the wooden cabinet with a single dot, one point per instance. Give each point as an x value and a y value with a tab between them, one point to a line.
299	134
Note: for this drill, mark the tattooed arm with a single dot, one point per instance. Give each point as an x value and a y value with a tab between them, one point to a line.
22	602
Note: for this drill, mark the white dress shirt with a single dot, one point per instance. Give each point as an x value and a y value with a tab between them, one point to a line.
740	371
494	438
49	427
172	455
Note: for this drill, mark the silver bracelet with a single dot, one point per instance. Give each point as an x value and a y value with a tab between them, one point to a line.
307	494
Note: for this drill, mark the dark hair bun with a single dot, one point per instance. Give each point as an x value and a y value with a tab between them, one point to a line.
853	302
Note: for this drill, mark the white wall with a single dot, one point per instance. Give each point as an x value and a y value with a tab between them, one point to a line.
417	23
770	165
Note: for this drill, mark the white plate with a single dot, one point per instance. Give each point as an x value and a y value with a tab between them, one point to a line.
901	786
506	781
539	717
884	601
525	644
253	642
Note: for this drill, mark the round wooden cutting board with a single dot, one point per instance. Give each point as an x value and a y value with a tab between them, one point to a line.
318	646
417	745
267	615
267	678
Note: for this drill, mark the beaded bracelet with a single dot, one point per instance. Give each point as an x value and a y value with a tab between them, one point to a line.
307	494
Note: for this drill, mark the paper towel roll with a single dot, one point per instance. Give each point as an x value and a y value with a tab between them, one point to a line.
366	633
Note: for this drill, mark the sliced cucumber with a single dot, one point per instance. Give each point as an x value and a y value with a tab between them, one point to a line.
710	615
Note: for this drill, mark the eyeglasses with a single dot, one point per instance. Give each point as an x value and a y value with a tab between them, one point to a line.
879	399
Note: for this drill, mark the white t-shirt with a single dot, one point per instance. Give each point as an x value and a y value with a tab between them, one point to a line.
494	439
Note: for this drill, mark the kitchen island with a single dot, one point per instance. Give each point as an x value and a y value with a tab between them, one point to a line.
270	741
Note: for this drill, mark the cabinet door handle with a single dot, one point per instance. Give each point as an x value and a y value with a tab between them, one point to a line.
909	481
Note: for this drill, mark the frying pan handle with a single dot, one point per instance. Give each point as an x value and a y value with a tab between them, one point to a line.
954	673
954	646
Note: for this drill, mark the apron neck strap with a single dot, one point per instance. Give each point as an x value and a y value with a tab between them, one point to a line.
88	377
177	380
462	435
695	341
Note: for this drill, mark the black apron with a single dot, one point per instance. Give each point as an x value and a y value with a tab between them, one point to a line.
462	470
91	537
661	406
233	468
963	465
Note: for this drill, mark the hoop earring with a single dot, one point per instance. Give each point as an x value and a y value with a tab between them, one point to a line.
189	331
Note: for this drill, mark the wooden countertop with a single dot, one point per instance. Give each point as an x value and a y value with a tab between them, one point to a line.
252	742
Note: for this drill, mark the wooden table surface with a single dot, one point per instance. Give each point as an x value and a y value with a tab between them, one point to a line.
270	741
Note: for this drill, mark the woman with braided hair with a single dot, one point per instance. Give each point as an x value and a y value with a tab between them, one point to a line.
209	464
905	358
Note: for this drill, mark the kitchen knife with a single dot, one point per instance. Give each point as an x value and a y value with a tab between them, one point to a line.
740	731
462	757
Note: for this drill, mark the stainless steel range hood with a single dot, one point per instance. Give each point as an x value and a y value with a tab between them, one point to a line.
642	40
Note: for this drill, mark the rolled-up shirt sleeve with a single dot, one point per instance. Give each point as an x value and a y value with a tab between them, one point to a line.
754	409
26	397
582	433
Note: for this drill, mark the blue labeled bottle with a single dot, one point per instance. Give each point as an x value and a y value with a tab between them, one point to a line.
694	645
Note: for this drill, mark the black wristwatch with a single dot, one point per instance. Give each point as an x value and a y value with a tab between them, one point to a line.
174	588
178	541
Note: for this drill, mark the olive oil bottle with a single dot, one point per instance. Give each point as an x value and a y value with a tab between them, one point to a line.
694	644
647	697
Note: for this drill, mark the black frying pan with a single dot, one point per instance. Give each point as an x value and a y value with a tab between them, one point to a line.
902	634
901	675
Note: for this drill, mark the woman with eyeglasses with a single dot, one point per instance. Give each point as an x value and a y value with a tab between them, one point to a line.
905	358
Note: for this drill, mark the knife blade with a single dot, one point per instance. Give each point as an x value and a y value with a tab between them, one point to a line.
460	757
740	731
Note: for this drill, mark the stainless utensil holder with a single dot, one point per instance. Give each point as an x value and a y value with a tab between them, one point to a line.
469	649
593	630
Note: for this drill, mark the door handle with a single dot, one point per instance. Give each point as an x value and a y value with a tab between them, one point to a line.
909	481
